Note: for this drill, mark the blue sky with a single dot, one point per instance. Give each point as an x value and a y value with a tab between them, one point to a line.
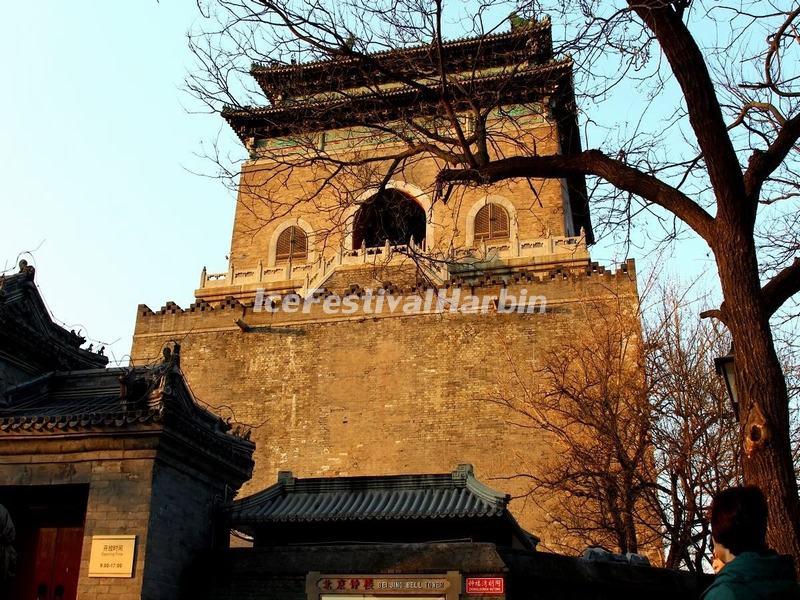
95	153
97	150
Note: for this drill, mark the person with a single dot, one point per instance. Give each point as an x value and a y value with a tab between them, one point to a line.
747	568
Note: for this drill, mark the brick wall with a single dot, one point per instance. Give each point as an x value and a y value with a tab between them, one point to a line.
181	526
137	485
119	497
119	483
368	396
270	195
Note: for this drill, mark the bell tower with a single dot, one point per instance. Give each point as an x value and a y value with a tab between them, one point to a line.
335	387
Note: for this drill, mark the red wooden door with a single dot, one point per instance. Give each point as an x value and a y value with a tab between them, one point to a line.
44	554
67	563
57	562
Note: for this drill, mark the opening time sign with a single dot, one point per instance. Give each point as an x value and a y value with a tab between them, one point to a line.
112	556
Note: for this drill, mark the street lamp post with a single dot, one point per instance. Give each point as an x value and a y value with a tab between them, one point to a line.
725	367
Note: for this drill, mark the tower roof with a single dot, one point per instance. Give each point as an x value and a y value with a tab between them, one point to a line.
531	43
351	92
531	83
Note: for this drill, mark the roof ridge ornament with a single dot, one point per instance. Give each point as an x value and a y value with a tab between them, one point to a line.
463	471
28	270
172	355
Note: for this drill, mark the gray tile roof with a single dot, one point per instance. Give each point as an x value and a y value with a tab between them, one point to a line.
339	110
118	397
451	495
81	399
153	398
29	338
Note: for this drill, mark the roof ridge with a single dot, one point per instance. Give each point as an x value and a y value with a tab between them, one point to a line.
259	67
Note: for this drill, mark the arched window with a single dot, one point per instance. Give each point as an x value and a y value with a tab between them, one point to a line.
292	245
389	216
491	223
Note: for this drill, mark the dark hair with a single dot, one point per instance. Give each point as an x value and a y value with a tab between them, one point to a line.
739	519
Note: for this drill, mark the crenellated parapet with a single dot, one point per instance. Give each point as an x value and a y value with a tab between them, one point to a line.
543	291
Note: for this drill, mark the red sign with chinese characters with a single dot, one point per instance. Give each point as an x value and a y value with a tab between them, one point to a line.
485	585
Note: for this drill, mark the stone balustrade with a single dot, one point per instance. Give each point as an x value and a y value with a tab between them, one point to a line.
309	276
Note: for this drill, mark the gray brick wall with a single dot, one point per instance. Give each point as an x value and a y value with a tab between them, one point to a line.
181	526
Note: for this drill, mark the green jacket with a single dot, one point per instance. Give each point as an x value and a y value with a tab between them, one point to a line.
755	576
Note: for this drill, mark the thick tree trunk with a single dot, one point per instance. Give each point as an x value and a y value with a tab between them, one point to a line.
763	399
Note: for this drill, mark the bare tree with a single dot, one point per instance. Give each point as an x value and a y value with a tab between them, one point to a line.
588	395
643	432
694	430
731	181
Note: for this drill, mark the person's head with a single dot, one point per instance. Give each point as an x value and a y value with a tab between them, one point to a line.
739	521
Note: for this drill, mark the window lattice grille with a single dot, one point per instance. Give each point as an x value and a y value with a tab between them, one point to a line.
292	245
491	223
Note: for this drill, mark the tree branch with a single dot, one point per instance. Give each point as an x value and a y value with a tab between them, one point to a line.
705	114
714	313
590	162
781	287
764	162
763	107
773	53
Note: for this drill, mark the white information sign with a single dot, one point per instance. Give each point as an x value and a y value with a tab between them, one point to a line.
112	556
